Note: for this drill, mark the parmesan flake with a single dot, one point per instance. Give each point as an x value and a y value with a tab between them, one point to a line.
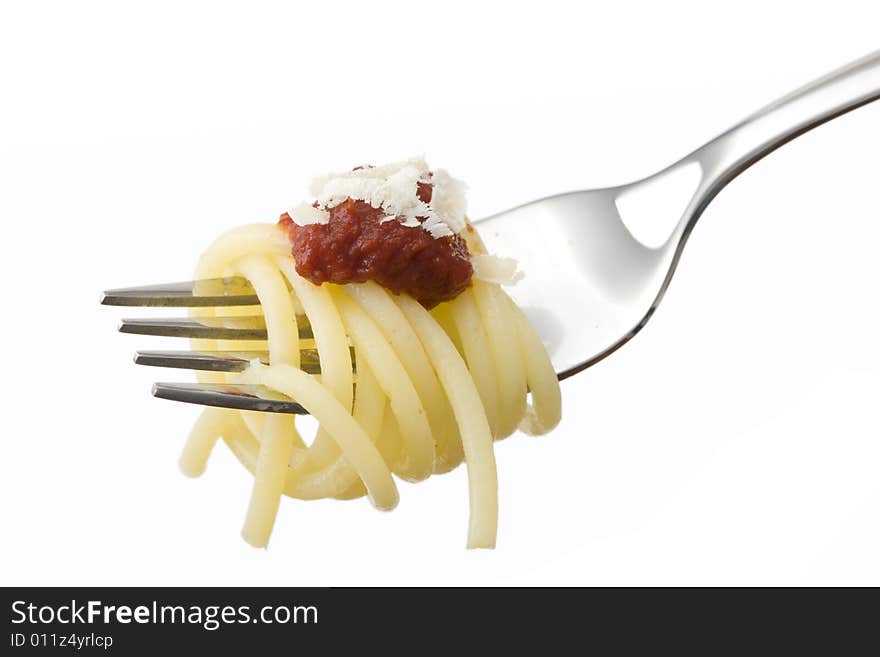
305	214
394	188
494	269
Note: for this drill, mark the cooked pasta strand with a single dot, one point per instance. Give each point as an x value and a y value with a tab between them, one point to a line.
423	392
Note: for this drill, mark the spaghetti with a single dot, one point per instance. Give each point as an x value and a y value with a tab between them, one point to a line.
403	390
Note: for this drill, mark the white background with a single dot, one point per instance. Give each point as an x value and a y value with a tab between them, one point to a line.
735	441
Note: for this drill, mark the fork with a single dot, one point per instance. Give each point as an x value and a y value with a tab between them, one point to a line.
597	262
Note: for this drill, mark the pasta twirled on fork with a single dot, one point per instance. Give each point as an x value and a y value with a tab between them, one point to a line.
426	390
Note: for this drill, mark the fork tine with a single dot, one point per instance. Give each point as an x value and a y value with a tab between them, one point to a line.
232	291
208	361
239	397
210	328
220	361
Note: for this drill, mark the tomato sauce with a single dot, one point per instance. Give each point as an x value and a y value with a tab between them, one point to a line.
354	247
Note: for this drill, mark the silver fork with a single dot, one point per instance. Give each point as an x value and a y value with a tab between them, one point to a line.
597	262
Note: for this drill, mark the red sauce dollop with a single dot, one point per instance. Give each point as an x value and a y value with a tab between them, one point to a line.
355	247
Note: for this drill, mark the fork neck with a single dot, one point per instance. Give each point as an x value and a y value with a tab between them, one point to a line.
734	151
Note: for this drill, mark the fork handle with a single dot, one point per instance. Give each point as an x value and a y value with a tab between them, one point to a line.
836	93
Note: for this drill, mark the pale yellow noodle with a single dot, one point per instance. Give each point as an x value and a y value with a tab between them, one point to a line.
475	435
546	409
278	430
330	339
369	412
417	404
359	450
504	346
210	426
478	354
378	303
418	447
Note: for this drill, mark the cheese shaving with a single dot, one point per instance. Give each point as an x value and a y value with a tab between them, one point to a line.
305	214
394	188
494	269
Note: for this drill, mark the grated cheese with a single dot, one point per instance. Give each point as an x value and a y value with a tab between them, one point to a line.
394	188
305	214
493	269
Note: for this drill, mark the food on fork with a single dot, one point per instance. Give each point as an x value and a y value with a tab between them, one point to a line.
424	359
368	225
